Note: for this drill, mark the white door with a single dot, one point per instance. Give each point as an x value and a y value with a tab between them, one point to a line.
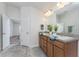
6	32
25	27
1	45
25	32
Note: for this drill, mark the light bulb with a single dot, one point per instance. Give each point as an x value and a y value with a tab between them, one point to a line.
62	4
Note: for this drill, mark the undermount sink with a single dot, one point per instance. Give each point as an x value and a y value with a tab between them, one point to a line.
46	34
64	37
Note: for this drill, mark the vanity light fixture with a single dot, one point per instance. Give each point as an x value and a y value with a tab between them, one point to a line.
59	5
48	13
62	4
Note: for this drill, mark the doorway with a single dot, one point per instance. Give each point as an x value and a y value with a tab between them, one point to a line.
14	32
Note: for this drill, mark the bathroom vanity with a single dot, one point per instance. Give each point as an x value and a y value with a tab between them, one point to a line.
63	46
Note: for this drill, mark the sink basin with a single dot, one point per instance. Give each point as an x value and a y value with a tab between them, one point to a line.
64	37
45	34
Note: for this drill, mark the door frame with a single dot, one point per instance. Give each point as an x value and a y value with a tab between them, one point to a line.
1	32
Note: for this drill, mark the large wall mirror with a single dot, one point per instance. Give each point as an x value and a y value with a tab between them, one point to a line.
70	20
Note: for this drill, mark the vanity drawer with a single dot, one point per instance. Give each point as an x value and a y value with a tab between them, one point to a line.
45	38
41	37
45	42
45	45
59	44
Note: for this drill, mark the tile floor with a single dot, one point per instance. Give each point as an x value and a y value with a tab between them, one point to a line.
22	51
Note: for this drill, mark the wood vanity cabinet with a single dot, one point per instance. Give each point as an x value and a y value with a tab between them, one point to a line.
50	49
40	42
43	43
58	52
58	48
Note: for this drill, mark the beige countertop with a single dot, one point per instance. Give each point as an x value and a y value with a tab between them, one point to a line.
63	38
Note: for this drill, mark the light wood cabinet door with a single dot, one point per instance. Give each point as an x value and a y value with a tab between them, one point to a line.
58	52
40	42
49	49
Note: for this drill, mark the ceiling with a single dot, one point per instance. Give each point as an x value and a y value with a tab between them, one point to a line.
43	6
